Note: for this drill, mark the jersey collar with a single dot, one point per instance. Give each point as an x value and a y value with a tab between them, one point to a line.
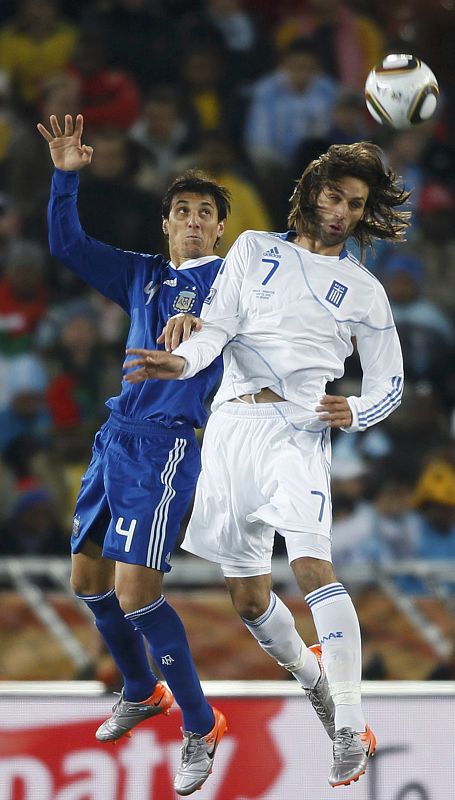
195	262
289	236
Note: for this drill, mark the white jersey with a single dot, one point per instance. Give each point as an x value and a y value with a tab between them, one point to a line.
285	319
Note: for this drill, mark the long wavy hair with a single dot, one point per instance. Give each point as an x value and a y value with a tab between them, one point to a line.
382	218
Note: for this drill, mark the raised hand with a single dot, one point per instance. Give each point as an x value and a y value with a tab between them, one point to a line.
66	149
178	329
152	364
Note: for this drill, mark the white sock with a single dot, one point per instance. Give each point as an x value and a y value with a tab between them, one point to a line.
337	624
276	633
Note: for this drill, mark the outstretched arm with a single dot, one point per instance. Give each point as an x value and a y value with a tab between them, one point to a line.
108	269
66	148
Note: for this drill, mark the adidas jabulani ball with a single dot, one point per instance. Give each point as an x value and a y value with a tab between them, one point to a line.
401	91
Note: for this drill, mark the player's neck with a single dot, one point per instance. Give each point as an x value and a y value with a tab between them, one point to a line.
318	247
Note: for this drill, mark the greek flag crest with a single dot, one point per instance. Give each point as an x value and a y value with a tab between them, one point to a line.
336	294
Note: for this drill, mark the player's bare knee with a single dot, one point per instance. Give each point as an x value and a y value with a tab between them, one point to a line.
91	574
90	584
250	604
251	595
312	573
131	600
137	586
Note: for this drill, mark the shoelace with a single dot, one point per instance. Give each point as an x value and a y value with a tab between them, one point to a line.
190	746
342	742
120	698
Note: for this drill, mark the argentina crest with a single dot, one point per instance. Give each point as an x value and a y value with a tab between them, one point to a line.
185	299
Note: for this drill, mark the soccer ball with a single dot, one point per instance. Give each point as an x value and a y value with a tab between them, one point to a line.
401	91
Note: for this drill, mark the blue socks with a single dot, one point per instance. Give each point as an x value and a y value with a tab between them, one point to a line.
125	644
165	634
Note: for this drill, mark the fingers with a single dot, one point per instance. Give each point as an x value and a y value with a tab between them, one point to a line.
69	128
138	351
135	362
191	324
335	411
56	129
178	329
79	127
181	331
87	153
152	364
137	376
44	132
68	125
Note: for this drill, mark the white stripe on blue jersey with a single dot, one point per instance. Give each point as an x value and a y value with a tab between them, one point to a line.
287	318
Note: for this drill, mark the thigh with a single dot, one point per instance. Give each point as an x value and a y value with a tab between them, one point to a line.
296	483
220	529
149	484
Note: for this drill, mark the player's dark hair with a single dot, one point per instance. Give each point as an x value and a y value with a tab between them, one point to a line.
197	182
362	160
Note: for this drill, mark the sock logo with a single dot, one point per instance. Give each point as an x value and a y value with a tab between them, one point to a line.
331	635
168	660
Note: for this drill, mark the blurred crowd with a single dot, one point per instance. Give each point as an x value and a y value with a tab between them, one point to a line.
250	91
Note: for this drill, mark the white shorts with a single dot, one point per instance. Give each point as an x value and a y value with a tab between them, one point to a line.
261	473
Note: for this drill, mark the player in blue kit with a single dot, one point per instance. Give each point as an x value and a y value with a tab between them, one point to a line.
146	458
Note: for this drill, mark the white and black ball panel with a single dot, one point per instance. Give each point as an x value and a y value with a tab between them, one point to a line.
401	91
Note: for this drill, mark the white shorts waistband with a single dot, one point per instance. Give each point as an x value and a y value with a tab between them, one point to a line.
283	409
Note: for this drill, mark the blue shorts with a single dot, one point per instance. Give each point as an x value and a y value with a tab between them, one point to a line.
136	490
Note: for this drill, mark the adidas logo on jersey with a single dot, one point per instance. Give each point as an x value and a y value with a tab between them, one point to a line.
170	282
274	252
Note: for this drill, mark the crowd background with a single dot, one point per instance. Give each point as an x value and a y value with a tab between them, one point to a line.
249	91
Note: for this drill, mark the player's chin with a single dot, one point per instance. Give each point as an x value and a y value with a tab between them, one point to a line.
194	249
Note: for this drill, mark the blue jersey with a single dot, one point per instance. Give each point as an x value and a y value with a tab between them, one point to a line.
150	289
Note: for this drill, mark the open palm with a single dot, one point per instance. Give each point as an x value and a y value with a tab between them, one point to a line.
66	149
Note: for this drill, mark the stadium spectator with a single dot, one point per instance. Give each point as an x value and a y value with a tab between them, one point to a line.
78	370
435	241
237	30
36	44
140	35
404	153
109	96
10	227
426	333
289	105
162	134
353	515
32	527
205	85
23	296
26	414
434	501
347	43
